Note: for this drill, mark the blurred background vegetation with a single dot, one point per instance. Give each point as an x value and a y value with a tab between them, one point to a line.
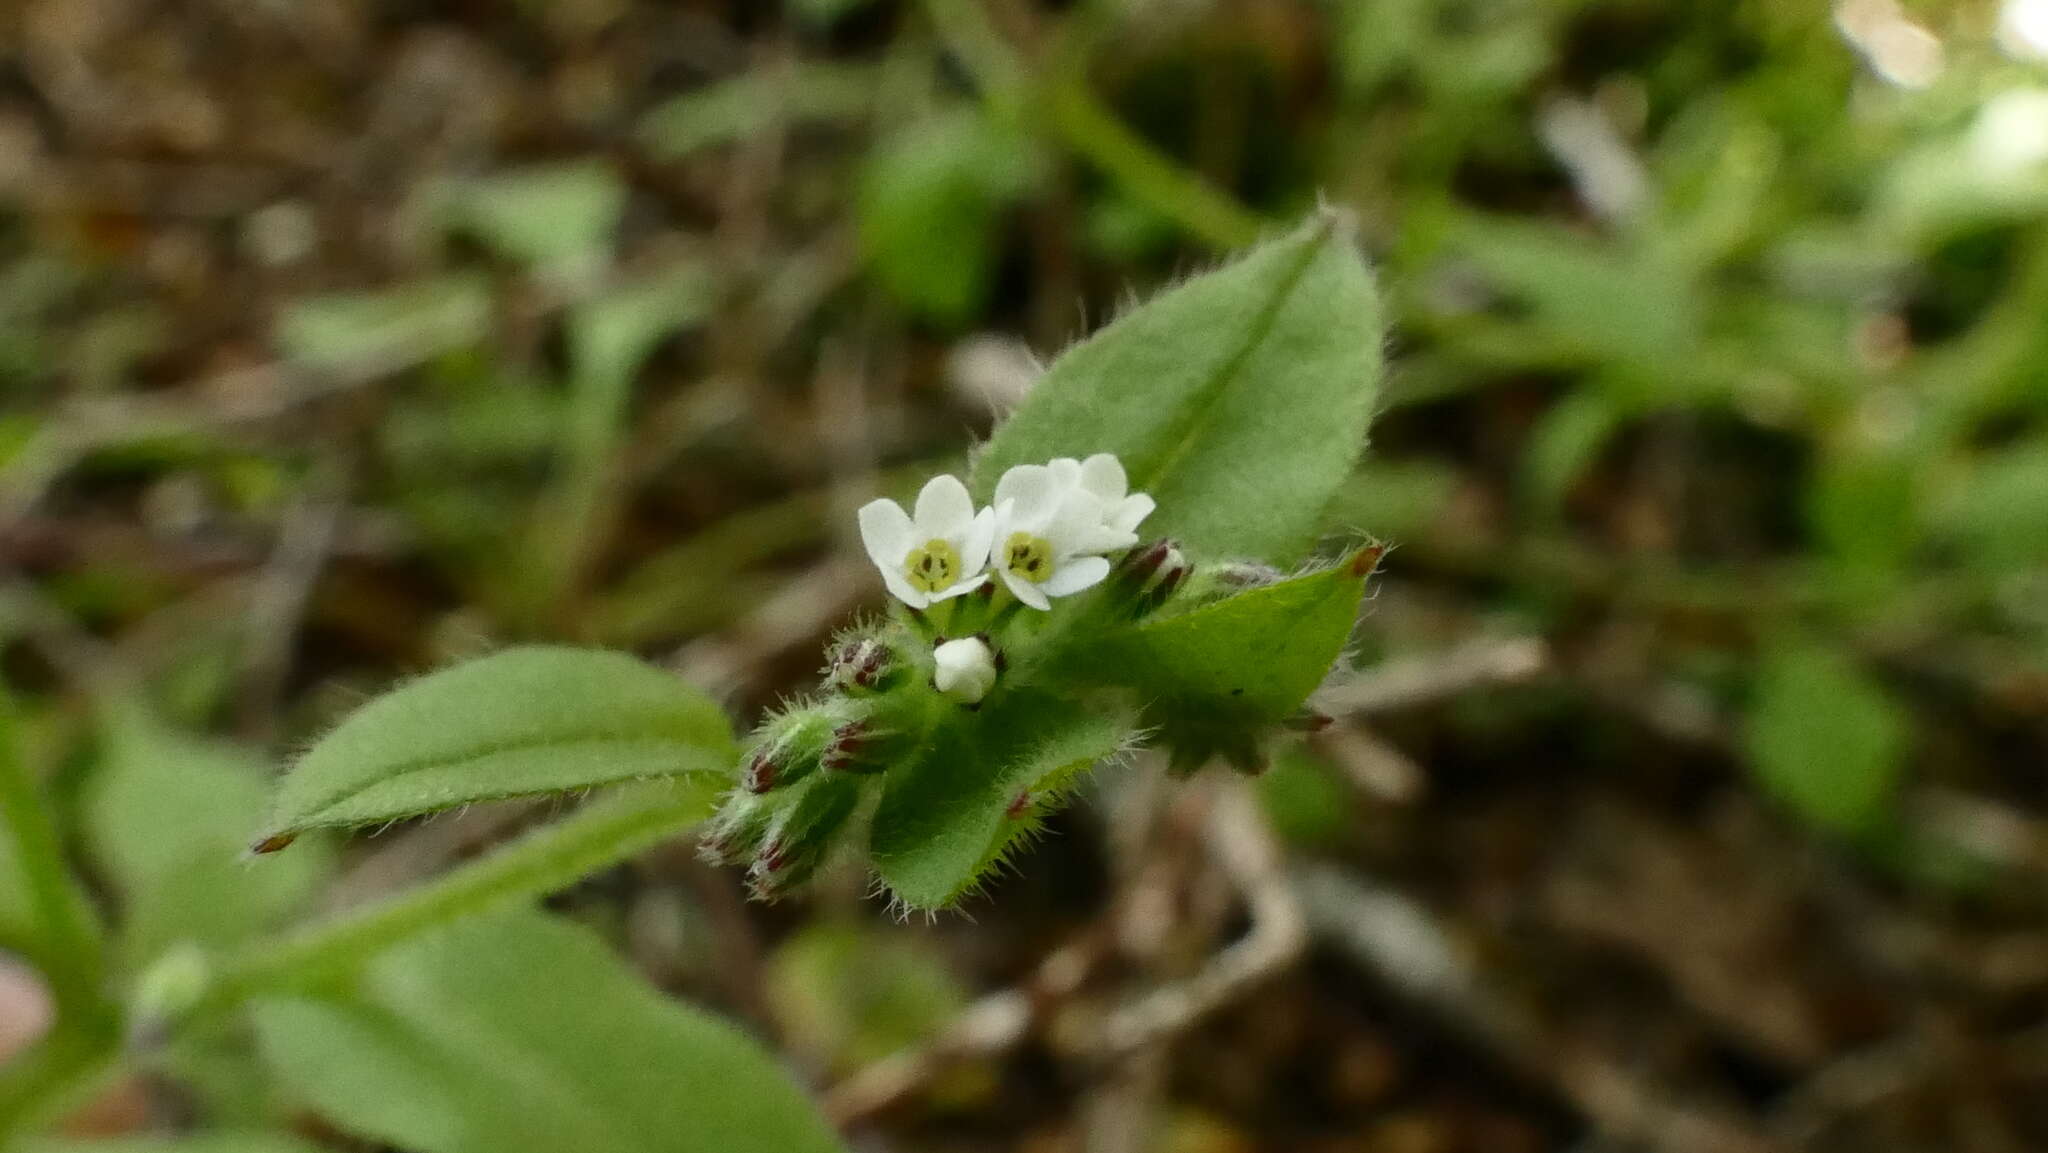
1690	791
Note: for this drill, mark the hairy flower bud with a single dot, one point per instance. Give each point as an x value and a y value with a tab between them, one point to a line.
735	834
792	744
802	836
859	747
861	664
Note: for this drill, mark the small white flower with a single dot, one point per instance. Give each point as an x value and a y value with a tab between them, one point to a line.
1054	520
964	669
939	553
1102	475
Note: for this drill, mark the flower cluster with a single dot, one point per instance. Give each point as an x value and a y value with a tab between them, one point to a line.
1050	531
1046	535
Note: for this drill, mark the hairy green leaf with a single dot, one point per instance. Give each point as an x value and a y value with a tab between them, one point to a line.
518	1033
1257	654
946	817
1239	399
168	818
523	721
1825	739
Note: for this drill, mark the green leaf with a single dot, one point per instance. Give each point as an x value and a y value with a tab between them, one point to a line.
948	816
523	1034
928	204
610	338
847	995
1611	304
199	1143
1305	802
739	108
523	721
1565	443
1398	500
1863	503
386	330
1255	655
1239	399
1826	740
168	820
546	215
1998	508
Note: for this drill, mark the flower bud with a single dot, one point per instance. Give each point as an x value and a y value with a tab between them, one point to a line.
802	837
792	744
860	747
860	664
965	669
1155	572
736	832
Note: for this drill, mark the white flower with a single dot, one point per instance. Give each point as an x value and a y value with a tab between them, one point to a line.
1053	520
1102	475
937	554
964	669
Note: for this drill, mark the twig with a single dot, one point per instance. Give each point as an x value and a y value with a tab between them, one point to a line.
1250	859
281	593
1402	944
990	1026
1377	768
1411	681
1244	847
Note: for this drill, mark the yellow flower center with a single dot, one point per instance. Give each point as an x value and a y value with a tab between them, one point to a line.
933	567
1028	557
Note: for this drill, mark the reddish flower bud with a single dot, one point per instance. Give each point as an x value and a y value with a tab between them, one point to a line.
760	773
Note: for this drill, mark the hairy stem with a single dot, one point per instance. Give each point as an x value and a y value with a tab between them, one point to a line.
549	858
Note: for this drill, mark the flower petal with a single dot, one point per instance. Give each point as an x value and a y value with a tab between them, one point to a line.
1125	516
1075	526
1100	539
976	541
1075	575
900	587
1103	475
1029	491
887	534
1025	590
943	508
1066	472
961	589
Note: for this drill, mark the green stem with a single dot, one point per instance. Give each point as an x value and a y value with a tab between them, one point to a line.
1088	127
549	858
1092	131
65	947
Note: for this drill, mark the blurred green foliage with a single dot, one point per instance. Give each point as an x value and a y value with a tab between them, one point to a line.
1718	360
